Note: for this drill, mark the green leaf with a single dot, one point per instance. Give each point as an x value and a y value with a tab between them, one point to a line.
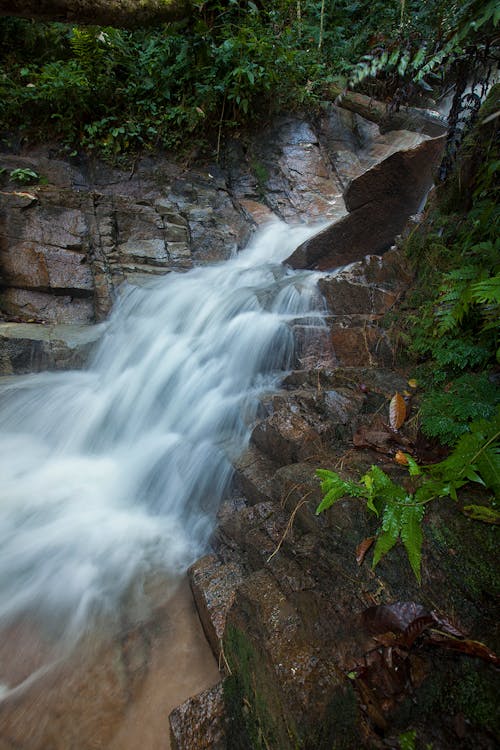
333	488
413	468
411	534
488	465
391	526
385	542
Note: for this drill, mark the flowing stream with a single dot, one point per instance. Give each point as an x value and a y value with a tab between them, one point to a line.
114	473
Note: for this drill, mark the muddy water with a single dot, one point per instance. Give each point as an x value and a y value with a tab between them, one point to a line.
109	694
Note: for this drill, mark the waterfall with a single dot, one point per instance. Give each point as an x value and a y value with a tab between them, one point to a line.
112	473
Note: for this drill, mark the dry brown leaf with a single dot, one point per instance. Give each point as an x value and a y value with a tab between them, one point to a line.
363	548
397	411
401	458
469	647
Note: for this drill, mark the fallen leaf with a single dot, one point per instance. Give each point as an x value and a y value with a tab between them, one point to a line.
413	383
401	458
395	617
397	411
416	628
363	548
471	648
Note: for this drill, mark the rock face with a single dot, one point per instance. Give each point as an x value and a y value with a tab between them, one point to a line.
379	205
68	243
293	640
200	722
26	347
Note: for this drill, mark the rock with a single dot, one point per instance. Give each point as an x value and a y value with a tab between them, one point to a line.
199	723
214	585
357	297
254	472
30	266
380	202
284	167
29	347
27	305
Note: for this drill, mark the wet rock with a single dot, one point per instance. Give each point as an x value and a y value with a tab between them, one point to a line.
284	167
199	723
254	472
44	307
214	585
358	296
380	202
304	421
26	347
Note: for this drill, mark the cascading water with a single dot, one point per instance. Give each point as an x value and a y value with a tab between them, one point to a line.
114	472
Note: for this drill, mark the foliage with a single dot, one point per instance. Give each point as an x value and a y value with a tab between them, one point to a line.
451	321
475	458
432	40
24	176
117	91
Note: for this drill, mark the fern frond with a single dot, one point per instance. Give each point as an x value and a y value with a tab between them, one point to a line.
391	526
334	487
411	534
487	290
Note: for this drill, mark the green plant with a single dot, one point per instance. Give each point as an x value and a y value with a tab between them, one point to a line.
24	176
475	458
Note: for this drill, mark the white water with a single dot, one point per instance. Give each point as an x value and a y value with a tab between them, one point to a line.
117	471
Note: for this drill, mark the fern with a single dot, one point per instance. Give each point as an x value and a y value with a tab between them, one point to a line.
475	458
446	413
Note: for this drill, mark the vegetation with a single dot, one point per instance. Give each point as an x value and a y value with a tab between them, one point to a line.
475	458
182	83
451	331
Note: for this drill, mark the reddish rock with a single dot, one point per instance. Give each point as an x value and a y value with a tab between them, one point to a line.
380	202
357	344
199	723
214	585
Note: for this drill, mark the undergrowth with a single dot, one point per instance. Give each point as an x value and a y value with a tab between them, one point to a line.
450	329
475	458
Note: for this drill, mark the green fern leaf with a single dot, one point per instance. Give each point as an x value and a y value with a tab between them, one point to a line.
488	466
334	487
487	290
391	526
411	534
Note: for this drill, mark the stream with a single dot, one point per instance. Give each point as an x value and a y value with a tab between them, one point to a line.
111	479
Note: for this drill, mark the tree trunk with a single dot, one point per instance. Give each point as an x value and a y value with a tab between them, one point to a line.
120	13
409	118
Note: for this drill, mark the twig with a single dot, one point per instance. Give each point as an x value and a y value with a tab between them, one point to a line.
220	129
289	525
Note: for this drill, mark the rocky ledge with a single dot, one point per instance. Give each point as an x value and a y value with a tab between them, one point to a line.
68	242
308	636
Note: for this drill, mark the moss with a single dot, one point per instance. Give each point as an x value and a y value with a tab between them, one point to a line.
340	728
259	720
261	175
255	716
472	566
457	686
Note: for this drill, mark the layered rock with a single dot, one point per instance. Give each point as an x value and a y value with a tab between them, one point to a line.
27	347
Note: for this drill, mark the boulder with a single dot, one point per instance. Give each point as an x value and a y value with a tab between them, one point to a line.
28	347
379	201
214	585
199	723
